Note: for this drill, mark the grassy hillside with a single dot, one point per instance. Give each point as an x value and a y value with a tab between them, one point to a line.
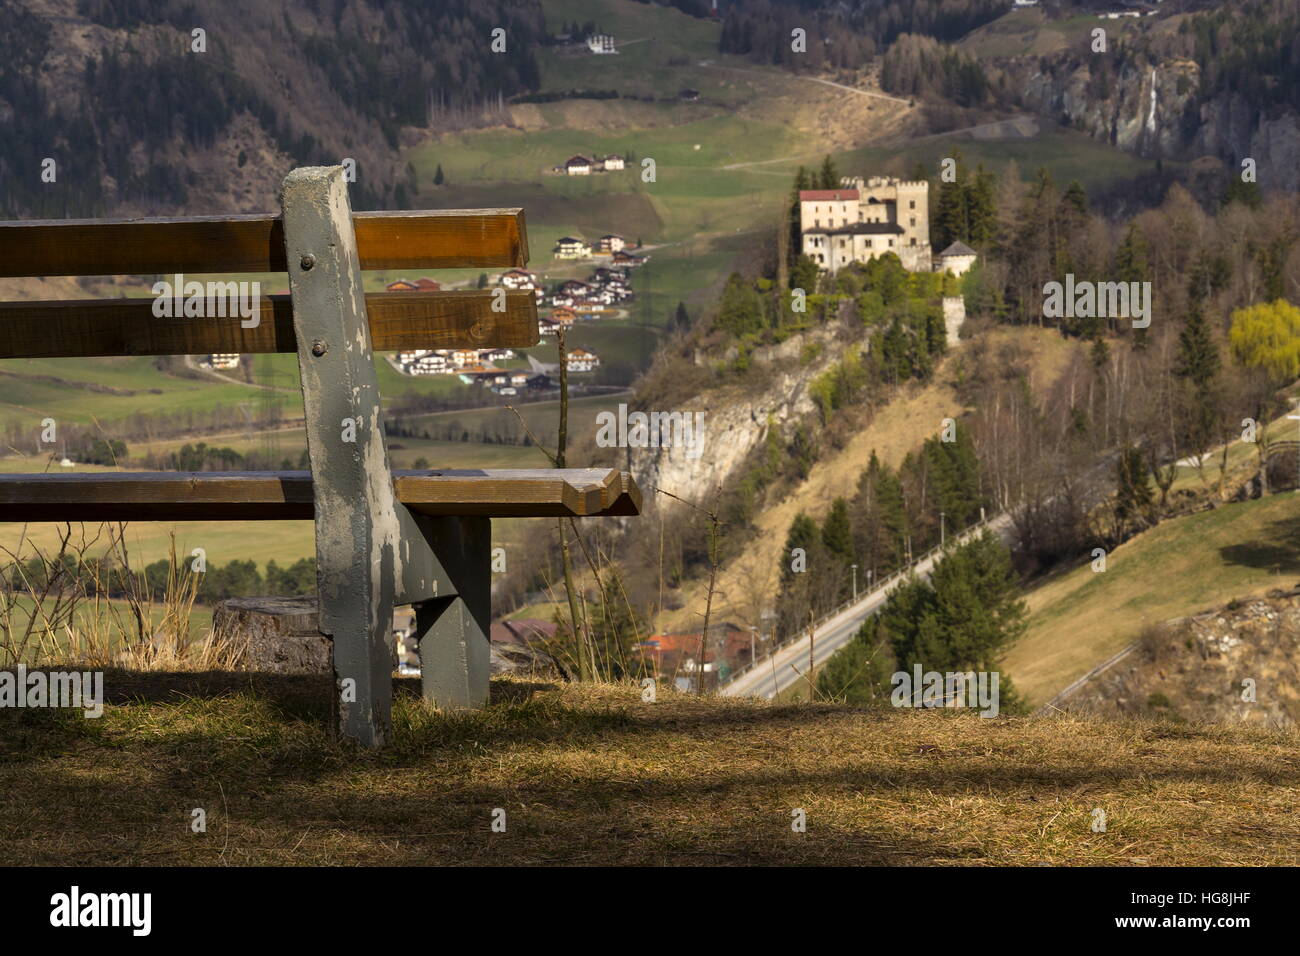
1081	617
590	775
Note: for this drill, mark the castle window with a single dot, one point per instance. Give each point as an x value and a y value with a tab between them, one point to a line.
913	220
911	204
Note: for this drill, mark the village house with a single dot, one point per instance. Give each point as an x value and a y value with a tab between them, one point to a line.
608	245
222	360
433	364
518	279
462	358
564	316
625	258
496	355
578	166
674	655
601	43
546	326
570	247
866	219
613	163
419	285
582	360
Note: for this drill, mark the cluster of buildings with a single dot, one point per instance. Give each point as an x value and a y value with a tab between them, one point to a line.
583	166
670	657
865	219
572	300
221	360
451	361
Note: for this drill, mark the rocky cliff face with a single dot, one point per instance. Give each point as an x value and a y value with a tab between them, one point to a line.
1235	664
736	421
1153	109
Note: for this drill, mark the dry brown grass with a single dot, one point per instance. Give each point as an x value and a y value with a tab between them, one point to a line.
591	775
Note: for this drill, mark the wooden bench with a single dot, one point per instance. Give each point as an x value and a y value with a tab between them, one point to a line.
383	538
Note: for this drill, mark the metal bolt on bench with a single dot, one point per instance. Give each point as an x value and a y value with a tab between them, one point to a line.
383	539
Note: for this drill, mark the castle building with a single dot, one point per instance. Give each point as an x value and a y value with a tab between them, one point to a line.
865	219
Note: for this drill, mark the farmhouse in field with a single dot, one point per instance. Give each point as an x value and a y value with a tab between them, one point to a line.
608	245
222	360
583	360
570	247
601	43
866	219
578	166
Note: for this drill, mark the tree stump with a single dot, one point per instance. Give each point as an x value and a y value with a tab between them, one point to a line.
280	635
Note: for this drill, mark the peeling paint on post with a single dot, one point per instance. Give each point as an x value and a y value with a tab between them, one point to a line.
372	552
357	525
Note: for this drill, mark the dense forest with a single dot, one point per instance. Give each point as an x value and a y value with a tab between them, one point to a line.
135	121
845	34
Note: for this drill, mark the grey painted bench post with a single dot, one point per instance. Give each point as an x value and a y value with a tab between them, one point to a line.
355	507
372	553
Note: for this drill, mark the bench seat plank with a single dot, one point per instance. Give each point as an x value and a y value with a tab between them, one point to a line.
245	496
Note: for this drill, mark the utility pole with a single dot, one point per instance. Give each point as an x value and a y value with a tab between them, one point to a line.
942	536
1296	417
855	581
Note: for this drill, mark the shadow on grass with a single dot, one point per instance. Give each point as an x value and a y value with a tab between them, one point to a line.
1279	549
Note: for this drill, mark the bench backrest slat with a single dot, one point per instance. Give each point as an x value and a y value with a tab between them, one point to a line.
398	321
430	239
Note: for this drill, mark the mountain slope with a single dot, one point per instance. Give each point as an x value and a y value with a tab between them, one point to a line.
1081	617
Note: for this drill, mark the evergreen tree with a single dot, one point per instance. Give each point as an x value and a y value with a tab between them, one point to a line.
837	536
741	311
1133	491
681	319
829	177
438	178
1076	198
879	518
1198	364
